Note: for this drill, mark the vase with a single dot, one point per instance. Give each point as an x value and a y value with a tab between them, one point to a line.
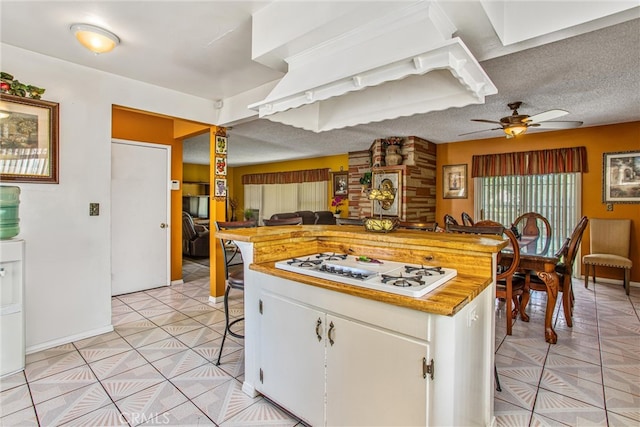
392	157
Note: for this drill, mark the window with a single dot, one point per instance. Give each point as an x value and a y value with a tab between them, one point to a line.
555	196
270	199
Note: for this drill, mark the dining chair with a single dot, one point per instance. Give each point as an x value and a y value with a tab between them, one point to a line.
424	226
567	255
609	242
284	221
449	219
466	219
529	228
234	276
509	286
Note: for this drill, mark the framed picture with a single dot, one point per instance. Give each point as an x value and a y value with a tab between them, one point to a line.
28	140
221	165
340	183
388	181
221	144
621	177
454	181
220	189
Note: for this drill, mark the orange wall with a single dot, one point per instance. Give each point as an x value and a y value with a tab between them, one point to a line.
597	140
235	175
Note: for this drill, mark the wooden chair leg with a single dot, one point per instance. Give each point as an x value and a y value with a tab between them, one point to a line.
567	303
627	280
586	275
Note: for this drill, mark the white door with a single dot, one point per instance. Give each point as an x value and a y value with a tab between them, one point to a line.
140	213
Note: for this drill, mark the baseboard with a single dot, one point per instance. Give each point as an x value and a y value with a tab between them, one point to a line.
176	282
216	300
68	339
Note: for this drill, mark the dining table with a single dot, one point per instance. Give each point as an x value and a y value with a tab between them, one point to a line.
540	257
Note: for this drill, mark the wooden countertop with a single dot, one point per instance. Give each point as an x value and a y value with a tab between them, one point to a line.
470	255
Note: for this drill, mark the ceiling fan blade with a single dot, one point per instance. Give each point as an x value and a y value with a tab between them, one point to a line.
478	131
558	125
485	121
546	115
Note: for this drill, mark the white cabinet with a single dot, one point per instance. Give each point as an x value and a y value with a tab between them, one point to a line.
12	333
332	370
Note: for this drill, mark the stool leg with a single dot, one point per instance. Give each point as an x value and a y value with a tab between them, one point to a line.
226	317
495	373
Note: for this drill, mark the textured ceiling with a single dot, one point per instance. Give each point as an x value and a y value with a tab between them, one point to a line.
204	48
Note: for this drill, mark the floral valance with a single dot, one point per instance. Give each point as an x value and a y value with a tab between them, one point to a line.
540	162
291	177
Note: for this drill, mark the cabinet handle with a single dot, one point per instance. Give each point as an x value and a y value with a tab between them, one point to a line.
330	333
318	324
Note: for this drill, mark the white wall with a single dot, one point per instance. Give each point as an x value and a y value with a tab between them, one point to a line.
68	266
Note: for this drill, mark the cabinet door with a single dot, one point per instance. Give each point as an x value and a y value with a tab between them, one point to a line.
292	357
374	377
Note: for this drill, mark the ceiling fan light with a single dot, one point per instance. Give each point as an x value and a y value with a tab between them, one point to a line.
96	39
515	130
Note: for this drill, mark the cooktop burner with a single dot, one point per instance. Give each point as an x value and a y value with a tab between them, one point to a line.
387	276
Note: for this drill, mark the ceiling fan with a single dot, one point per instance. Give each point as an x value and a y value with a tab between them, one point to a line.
517	124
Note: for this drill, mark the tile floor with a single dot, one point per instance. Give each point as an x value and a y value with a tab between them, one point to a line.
157	367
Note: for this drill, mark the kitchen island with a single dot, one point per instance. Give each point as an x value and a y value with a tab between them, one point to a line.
339	354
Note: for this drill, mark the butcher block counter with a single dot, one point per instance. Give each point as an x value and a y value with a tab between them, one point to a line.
339	354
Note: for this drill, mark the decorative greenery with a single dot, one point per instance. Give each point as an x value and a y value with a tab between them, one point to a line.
366	179
248	214
14	87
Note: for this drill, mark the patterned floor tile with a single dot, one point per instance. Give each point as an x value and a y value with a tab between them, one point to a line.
517	393
161	349
261	413
62	383
577	388
224	401
621	381
133	297
621	403
538	420
514	350
567	410
53	365
117	364
105	349
198	336
574	351
186	414
135	327
518	369
158	312
182	326
622	363
72	405
98	339
169	317
23	418
145	304
622	345
132	381
574	367
150	403
510	415
147	337
50	352
121	319
211	317
200	380
616	420
184	304
11	381
106	416
197	310
15	399
179	363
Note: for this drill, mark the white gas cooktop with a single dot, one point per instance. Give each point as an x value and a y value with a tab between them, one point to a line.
388	276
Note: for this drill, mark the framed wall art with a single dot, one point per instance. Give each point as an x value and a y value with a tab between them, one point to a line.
221	144
454	181
221	165
340	183
220	189
28	140
621	177
388	180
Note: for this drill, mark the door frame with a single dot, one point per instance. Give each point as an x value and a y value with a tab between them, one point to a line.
167	148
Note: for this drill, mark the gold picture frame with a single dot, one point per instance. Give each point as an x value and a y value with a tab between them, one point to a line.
454	181
28	140
388	179
340	182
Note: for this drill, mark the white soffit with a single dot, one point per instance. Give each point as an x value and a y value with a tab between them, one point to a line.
403	64
516	21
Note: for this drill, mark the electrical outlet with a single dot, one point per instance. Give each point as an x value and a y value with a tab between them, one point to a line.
609	207
94	209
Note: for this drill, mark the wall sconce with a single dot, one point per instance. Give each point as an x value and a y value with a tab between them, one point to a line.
96	39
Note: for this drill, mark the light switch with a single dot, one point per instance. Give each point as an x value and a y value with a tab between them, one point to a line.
94	209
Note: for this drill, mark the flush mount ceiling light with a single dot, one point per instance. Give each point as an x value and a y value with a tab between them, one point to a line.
515	130
96	39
